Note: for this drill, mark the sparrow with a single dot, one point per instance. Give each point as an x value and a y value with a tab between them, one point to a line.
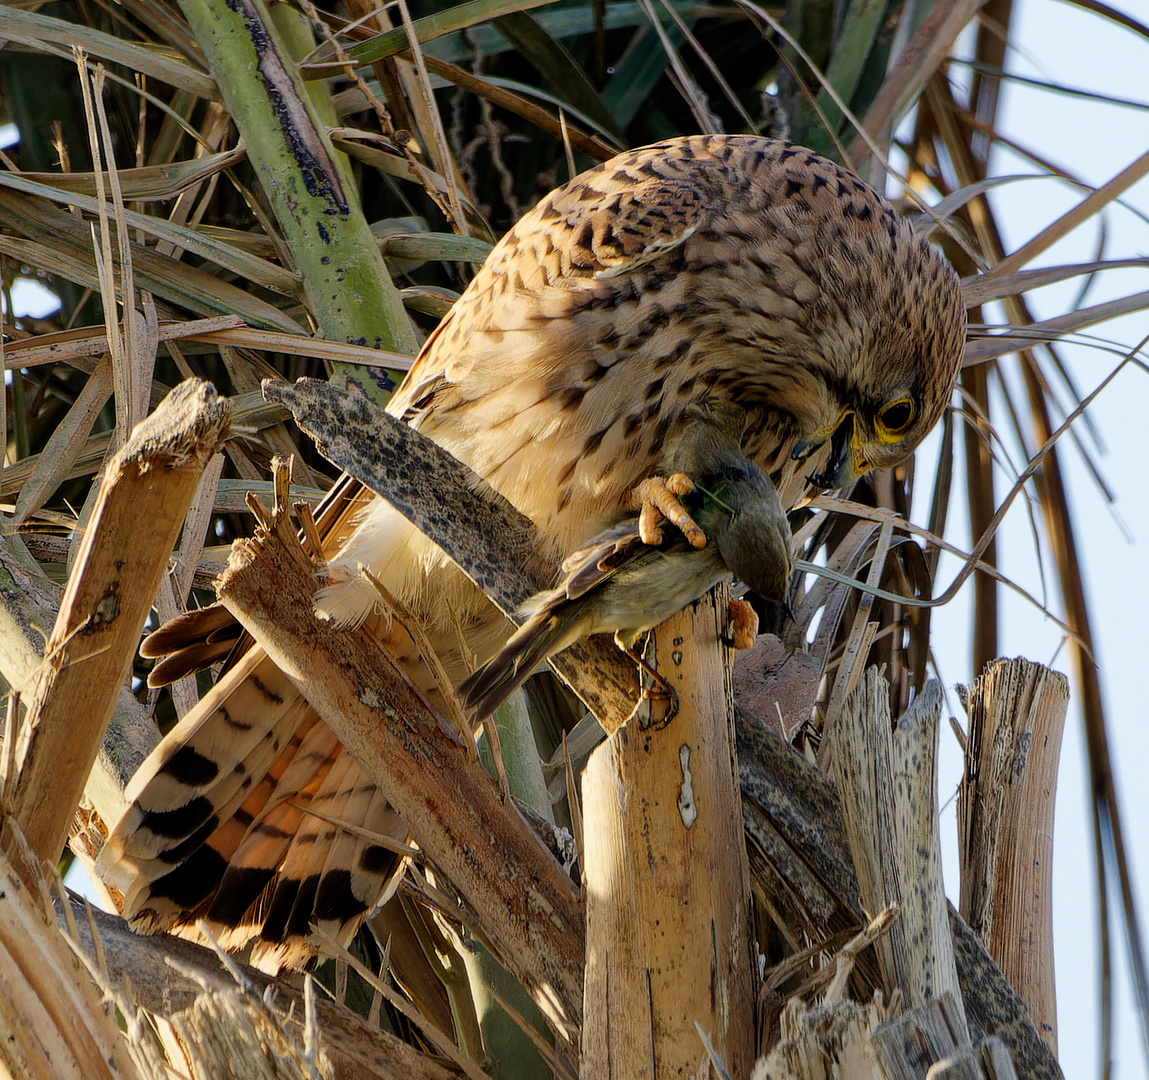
619	583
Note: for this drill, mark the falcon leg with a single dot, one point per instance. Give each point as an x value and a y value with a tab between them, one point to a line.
656	498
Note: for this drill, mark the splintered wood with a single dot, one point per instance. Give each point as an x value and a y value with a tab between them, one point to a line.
888	785
801	862
53	1025
1005	818
166	976
848	1041
952	1000
229	1031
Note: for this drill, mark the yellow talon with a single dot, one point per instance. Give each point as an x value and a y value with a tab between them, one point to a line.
656	498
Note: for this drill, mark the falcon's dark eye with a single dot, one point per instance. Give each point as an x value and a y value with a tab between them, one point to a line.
894	419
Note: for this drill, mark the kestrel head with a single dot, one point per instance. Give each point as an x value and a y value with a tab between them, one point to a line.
904	347
874	348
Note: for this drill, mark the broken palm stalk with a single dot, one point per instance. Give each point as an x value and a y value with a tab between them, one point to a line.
801	864
139	511
887	782
844	1040
53	1025
521	900
862	1041
1005	815
29	605
953	1005
667	886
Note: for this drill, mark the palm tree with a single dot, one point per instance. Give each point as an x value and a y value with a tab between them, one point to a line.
445	124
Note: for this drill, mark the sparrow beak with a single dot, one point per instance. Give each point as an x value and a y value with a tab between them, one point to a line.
847	460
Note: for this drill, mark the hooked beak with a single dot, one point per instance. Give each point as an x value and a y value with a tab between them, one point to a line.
846	462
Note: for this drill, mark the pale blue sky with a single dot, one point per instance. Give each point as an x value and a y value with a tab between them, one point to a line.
1058	43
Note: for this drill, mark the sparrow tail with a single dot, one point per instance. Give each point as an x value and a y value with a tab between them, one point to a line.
486	689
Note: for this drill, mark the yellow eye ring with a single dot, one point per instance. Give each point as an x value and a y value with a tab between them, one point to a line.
891	423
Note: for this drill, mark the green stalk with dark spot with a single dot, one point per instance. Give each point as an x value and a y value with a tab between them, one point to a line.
346	285
510	1053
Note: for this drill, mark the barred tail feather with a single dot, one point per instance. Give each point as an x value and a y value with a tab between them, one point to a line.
203	770
218	827
170	876
234	916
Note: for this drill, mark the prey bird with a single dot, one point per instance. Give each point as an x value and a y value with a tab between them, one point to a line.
620	584
701	268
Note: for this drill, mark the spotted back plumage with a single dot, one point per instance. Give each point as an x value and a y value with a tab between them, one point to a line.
711	266
706	267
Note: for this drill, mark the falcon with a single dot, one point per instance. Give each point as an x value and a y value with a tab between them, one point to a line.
699	269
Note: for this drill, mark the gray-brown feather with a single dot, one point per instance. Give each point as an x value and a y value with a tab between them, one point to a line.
617	584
